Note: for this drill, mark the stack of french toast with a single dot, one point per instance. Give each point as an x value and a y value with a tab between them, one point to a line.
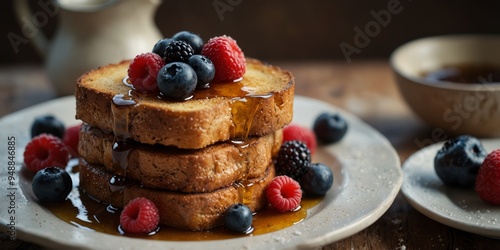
192	158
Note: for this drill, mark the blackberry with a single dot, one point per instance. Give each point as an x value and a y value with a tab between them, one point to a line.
178	51
294	158
192	39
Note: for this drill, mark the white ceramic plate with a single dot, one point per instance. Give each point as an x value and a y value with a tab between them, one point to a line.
367	179
454	207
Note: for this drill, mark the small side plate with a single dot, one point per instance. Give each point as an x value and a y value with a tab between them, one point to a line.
454	207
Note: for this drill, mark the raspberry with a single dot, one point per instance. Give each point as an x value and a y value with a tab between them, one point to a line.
293	159
71	138
284	193
45	151
488	178
143	70
140	216
297	132
178	51
227	57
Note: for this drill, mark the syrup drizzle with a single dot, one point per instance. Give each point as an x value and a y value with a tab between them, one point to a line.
244	104
126	82
93	215
122	145
245	191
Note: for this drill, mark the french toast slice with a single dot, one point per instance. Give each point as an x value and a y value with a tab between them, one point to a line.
259	104
184	170
194	211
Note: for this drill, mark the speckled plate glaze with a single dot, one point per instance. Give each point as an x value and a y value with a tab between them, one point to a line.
454	207
367	179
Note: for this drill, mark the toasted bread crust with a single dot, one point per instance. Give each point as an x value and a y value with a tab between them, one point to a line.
184	170
264	106
197	211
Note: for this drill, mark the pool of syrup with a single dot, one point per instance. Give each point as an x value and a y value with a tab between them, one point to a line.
466	73
84	212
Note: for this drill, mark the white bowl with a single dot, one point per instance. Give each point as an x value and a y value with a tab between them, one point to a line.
456	108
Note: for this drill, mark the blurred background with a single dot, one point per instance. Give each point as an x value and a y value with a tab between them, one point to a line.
350	35
280	32
295	29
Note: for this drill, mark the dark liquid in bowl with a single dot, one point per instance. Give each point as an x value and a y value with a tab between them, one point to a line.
466	73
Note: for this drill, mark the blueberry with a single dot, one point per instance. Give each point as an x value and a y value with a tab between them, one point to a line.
192	39
238	218
330	128
177	80
47	124
458	161
317	180
161	45
204	68
51	184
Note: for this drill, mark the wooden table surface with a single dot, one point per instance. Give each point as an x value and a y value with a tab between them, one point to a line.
364	88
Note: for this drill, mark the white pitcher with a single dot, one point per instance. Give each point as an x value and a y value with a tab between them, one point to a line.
92	33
